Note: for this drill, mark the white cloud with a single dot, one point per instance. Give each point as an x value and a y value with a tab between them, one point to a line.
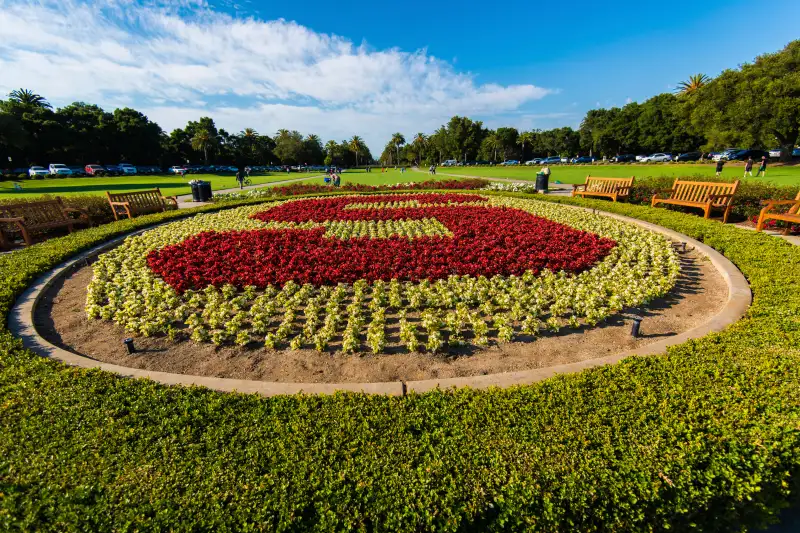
629	100
178	60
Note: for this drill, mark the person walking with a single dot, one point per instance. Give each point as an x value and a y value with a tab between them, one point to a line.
762	170
720	164
240	178
748	167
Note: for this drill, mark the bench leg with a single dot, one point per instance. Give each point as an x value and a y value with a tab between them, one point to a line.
727	212
707	209
762	217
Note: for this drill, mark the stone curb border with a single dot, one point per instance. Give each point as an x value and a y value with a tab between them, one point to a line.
21	324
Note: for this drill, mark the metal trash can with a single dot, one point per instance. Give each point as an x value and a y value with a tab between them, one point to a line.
541	182
201	190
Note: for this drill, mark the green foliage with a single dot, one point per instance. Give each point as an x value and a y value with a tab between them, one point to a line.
704	438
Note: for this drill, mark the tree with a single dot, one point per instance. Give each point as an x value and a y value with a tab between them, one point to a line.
493	144
523	139
756	104
202	140
507	138
397	141
419	143
693	84
356	145
29	99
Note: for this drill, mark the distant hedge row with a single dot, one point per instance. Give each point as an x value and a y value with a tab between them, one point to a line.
704	438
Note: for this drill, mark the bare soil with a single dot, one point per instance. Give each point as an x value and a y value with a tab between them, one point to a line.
700	293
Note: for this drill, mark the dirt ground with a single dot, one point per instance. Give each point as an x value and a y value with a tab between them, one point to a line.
700	294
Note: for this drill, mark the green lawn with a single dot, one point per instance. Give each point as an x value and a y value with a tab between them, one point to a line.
169	185
779	175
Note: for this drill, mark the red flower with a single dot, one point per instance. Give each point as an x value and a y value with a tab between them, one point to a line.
485	241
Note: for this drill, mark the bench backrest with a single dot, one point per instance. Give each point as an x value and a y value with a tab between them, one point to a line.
39	213
699	191
140	201
607	185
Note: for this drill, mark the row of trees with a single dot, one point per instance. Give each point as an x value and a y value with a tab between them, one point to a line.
754	106
32	132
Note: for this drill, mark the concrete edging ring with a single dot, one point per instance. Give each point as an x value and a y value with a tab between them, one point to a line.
21	324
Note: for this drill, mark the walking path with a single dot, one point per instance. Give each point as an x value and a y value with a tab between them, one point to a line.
185	200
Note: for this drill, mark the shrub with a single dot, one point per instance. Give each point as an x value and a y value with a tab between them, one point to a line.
703	438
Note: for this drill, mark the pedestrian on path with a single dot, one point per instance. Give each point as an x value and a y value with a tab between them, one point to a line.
240	178
748	167
762	170
720	164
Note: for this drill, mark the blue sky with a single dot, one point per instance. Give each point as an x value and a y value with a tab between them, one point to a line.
372	68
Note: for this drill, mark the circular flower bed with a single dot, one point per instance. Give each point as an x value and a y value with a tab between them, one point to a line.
330	273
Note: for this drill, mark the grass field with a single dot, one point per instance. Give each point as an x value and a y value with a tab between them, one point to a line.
176	185
779	175
169	185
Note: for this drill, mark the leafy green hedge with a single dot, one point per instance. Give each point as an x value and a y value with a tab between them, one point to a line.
706	437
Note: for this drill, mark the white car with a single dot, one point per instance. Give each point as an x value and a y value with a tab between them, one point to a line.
38	171
657	158
775	152
449	163
127	168
57	169
536	161
640	158
177	170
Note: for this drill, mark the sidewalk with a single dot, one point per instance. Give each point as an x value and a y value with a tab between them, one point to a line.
554	188
185	200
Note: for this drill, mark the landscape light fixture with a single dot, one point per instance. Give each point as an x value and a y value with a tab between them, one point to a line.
129	345
637	322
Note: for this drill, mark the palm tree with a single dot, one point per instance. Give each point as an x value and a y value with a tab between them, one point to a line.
494	143
397	141
331	147
356	145
524	138
28	99
694	83
250	136
202	141
419	142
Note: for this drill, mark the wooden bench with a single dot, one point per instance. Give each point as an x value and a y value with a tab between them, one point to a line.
135	203
614	188
792	216
705	195
27	218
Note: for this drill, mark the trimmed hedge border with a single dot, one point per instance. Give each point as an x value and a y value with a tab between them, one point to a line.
705	437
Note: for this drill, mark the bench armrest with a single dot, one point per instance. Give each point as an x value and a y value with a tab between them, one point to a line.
575	187
621	188
173	199
770	203
82	213
12	220
123	204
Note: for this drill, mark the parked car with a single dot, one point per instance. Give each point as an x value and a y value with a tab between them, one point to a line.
57	169
796	152
744	154
689	156
449	163
725	154
555	160
775	152
127	168
660	157
113	170
510	163
94	170
640	157
38	171
536	161
624	158
177	170
584	159
78	171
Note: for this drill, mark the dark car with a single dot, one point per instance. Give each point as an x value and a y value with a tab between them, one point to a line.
624	158
113	170
584	159
555	160
689	156
78	171
742	155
